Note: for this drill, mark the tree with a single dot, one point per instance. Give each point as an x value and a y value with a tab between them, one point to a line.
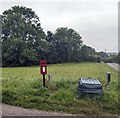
103	54
67	43
89	54
21	22
25	43
49	36
22	35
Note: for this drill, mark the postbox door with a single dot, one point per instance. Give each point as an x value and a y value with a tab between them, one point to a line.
43	66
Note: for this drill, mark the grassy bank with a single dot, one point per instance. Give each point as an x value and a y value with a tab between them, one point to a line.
22	86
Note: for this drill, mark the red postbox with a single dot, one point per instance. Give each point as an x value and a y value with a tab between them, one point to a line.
43	67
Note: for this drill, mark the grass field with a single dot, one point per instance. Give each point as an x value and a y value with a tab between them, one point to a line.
22	86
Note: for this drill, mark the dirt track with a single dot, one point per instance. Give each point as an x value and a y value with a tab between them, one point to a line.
115	66
13	111
8	110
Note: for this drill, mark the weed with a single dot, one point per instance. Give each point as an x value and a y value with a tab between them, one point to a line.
22	86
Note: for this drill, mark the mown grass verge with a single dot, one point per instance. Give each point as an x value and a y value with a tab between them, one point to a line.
22	86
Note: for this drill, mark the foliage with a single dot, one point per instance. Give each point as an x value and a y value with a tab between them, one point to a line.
102	54
67	43
109	58
21	34
22	86
89	54
25	43
112	59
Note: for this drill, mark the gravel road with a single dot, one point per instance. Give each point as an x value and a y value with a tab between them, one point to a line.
115	66
9	110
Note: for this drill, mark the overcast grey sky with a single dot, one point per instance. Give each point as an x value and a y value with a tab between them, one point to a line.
95	20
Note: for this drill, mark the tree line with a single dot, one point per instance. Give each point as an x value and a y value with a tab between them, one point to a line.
25	43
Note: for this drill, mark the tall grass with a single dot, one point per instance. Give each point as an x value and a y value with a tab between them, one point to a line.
22	86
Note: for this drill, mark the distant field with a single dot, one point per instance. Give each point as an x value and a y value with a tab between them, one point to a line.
22	86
